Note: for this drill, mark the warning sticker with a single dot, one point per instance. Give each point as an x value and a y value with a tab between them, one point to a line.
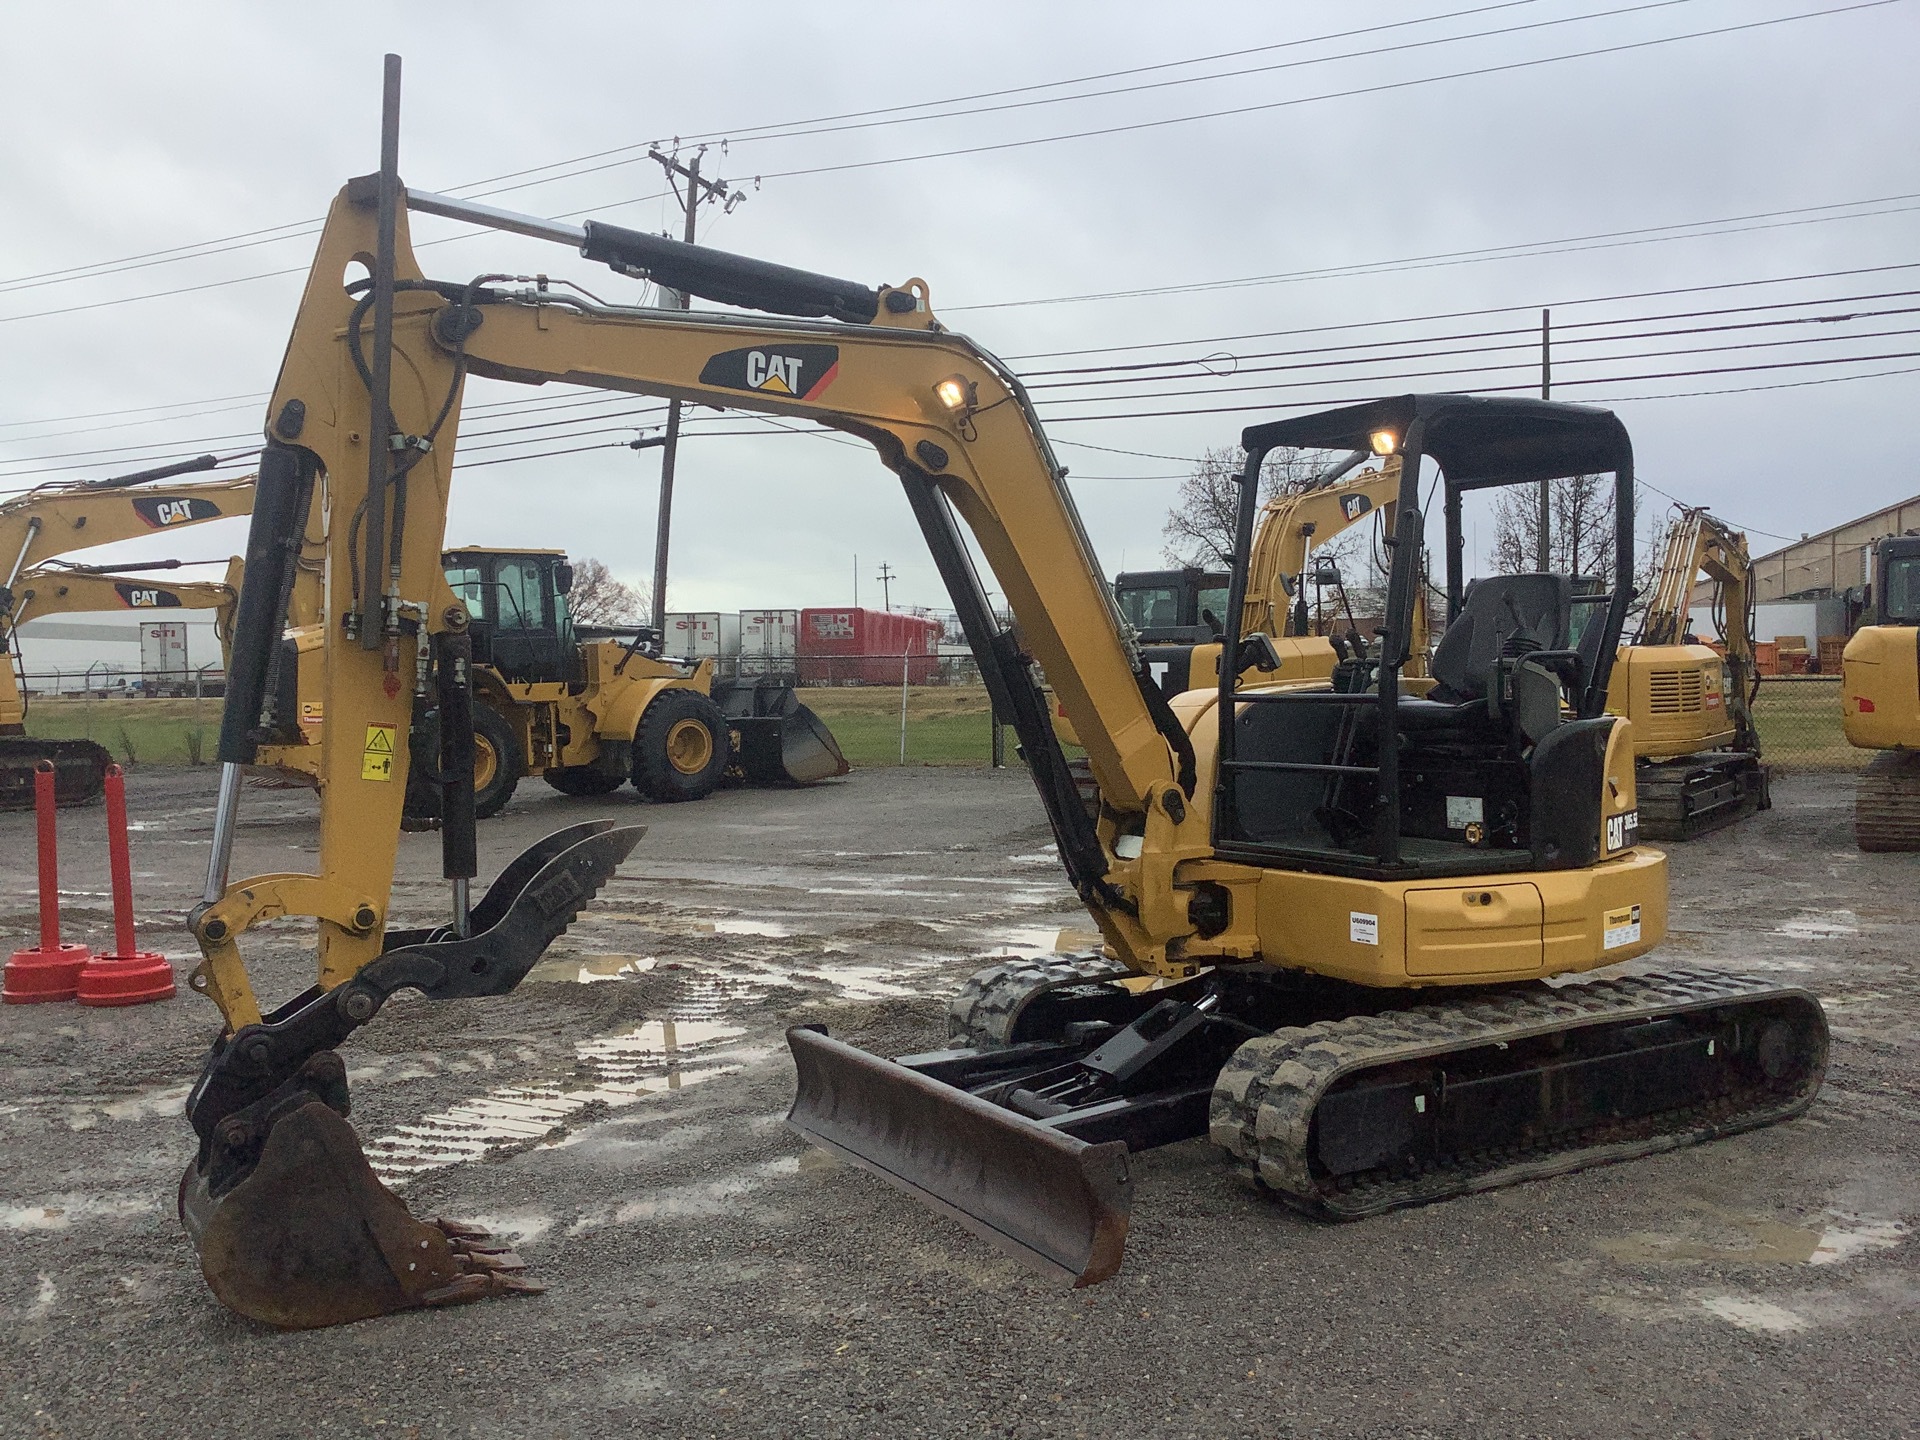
1622	927
1362	928
376	756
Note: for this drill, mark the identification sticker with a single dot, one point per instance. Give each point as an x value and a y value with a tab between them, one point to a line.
376	755
1623	830
1622	928
1465	810
312	712
1362	928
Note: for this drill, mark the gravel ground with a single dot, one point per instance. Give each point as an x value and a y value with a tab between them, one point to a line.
712	1276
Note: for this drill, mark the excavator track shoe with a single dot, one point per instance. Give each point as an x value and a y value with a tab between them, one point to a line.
1886	803
1687	798
1058	1203
79	770
312	1238
988	1010
1348	1118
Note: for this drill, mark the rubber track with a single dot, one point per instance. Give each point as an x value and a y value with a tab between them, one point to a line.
987	1007
1265	1097
1886	803
1662	790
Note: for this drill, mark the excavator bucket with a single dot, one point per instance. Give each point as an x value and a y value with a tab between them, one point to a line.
782	742
1056	1202
312	1238
79	770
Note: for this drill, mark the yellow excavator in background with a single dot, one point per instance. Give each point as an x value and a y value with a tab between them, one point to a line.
56	520
1304	895
1692	710
1880	700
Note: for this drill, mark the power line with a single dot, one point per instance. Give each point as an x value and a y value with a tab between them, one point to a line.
636	152
1380	88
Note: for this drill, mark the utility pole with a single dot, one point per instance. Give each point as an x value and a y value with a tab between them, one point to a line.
691	195
886	578
1544	548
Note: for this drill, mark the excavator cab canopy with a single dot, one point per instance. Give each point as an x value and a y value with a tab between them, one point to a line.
1498	764
1896	581
1173	607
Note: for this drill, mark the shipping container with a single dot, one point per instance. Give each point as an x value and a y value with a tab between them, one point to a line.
852	646
769	642
702	634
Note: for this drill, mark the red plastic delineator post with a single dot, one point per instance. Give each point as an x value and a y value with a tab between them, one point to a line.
52	971
130	975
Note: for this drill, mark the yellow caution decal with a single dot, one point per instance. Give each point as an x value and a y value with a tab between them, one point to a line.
376	756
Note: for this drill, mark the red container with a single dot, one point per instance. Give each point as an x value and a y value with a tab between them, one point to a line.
852	646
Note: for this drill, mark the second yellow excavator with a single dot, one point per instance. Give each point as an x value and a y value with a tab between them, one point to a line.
56	520
1698	752
1880	700
1326	913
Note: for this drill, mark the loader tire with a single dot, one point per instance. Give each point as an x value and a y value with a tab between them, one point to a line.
584	780
497	762
680	751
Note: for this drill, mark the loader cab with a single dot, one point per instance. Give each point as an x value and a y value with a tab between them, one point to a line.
521	623
1170	607
1896	581
1501	763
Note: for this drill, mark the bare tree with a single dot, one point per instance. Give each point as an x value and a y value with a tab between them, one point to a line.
1200	527
1580	539
598	599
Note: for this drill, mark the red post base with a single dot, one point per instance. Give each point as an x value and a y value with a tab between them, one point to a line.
33	976
126	979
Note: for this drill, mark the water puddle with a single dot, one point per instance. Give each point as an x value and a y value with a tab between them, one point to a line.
1756	1315
1820	925
1756	1240
58	1212
1036	942
616	1070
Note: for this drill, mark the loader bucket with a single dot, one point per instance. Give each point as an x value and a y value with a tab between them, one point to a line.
312	1237
79	770
1056	1202
782	742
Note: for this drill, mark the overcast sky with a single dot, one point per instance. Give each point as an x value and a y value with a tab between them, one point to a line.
139	128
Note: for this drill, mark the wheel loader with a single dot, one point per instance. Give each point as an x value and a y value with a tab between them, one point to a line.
1327	915
1880	700
1697	751
586	710
56	520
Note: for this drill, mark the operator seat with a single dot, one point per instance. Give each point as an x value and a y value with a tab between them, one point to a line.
1504	617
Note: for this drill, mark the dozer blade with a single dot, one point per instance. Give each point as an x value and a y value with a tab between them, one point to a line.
1056	1202
312	1237
79	770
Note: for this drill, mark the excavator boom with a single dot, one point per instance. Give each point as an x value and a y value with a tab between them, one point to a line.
57	520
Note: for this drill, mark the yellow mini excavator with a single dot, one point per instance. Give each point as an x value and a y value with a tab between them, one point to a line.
1326	914
1692	710
56	520
1880	700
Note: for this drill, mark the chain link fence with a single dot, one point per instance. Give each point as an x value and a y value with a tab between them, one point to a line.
1798	717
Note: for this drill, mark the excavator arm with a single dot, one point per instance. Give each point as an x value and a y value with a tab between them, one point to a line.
367	405
1698	542
1292	526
